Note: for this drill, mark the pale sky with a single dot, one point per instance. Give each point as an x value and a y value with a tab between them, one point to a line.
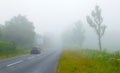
55	15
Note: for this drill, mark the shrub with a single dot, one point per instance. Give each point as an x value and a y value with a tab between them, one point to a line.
7	47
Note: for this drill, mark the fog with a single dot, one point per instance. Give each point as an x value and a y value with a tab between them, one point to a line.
55	16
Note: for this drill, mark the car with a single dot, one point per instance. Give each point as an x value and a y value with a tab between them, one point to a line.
35	50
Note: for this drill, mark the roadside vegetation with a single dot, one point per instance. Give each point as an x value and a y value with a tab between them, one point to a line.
17	36
11	53
76	60
88	61
9	49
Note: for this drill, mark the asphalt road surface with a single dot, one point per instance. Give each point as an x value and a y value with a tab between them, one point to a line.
40	63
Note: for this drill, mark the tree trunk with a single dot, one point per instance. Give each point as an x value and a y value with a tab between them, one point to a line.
100	47
99	37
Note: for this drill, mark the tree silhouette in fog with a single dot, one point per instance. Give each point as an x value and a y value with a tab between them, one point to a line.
95	21
20	30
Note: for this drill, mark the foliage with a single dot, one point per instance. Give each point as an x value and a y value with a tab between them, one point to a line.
87	61
11	52
9	48
96	23
1	27
48	40
16	36
7	45
19	30
74	36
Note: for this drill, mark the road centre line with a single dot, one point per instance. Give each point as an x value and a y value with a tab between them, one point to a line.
14	63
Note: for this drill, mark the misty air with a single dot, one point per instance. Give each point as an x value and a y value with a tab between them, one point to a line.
59	36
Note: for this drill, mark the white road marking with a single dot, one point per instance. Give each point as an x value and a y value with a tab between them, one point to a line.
14	63
20	61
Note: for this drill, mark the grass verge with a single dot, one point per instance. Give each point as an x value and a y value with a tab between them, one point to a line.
11	53
88	61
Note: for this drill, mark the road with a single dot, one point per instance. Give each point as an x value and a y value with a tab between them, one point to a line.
41	63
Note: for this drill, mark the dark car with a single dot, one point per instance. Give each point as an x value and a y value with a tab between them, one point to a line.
35	50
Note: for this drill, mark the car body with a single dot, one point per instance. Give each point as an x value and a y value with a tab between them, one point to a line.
35	50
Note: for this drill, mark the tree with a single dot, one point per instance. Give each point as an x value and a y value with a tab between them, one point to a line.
74	36
19	30
38	40
1	28
48	39
96	23
78	33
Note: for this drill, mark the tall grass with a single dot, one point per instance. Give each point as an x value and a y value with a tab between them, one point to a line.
8	49
88	61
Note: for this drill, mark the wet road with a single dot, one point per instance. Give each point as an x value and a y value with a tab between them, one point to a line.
40	63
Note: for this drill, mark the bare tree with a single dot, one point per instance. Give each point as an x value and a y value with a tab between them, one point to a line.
95	22
75	36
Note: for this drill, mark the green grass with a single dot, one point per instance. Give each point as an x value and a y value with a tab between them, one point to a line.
9	49
11	53
88	61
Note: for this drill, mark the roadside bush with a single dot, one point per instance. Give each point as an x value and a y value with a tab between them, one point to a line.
7	47
88	61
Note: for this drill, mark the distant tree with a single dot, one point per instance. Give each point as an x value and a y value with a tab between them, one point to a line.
75	36
48	39
96	23
78	33
0	32
1	28
38	40
19	30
